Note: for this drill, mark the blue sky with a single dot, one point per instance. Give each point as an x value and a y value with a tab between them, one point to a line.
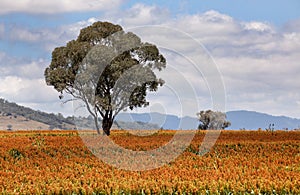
277	12
274	12
254	44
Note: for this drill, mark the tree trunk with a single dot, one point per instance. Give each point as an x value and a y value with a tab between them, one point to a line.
106	125
97	125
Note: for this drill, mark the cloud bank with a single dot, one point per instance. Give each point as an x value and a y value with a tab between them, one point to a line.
56	6
259	62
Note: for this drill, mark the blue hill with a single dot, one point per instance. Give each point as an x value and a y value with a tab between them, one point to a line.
254	120
239	120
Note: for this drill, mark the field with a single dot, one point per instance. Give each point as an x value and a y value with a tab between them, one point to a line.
20	122
241	162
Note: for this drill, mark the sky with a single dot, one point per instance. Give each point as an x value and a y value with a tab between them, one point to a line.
244	54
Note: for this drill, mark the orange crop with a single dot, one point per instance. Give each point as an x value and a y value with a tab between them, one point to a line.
45	162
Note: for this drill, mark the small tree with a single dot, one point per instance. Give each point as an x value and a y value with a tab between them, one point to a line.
9	127
212	120
106	68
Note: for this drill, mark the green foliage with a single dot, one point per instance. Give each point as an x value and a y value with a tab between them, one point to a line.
38	141
16	154
108	69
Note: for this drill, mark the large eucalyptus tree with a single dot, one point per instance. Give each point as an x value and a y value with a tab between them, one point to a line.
106	68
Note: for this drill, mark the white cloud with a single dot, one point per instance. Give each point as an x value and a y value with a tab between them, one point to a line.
33	69
56	6
292	26
208	24
46	38
26	90
268	85
75	28
216	17
22	68
141	14
257	26
26	35
23	80
259	63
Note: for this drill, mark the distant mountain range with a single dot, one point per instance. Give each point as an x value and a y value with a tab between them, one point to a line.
161	120
249	120
16	117
20	117
254	120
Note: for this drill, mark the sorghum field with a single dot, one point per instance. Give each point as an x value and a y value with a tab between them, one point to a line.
241	162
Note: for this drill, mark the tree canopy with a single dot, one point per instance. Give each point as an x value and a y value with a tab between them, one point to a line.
106	68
